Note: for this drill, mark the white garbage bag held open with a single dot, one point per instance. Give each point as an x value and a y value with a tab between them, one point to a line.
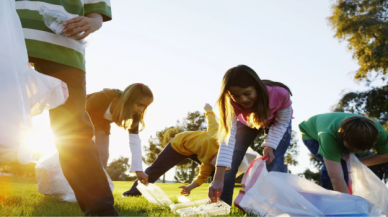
23	91
51	180
366	184
274	193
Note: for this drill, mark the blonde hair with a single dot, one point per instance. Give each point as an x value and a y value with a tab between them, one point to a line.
244	76
122	115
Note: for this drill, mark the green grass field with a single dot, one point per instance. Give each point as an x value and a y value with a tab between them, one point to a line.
20	197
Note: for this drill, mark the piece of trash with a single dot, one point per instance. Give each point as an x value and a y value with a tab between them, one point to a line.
201	207
183	199
154	194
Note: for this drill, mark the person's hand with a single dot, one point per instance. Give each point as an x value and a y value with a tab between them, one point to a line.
80	24
215	190
207	106
142	177
268	151
185	190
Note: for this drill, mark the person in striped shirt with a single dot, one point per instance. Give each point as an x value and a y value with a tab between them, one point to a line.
200	146
59	54
247	105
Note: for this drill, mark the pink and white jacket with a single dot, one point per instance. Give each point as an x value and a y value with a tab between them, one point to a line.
279	119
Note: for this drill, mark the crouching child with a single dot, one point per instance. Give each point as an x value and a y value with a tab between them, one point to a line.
200	146
330	135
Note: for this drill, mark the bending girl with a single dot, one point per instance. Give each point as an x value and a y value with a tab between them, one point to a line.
125	108
247	105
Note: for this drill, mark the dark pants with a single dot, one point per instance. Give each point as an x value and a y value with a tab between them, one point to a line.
244	138
166	160
73	132
313	146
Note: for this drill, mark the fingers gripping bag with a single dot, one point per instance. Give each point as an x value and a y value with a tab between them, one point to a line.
366	184
283	194
51	180
23	91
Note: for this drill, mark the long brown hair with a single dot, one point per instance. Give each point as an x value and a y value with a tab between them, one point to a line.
122	115
243	76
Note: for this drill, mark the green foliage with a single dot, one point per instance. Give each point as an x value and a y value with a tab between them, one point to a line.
312	176
372	103
117	169
292	151
183	175
363	24
16	169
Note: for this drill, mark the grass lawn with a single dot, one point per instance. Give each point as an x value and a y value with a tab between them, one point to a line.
20	197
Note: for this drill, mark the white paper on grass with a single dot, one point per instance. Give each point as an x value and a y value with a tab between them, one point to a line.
275	193
51	180
23	91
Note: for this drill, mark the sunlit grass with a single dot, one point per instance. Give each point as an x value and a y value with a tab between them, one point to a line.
20	197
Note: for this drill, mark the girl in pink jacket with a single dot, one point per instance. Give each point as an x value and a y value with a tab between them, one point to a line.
248	105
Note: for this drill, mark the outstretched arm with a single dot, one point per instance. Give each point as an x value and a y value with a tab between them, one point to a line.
375	159
336	174
212	125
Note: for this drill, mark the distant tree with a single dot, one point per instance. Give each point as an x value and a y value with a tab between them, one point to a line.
27	170
372	103
117	169
310	175
183	175
363	24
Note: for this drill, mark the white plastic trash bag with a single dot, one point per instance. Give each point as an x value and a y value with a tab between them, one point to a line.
23	91
366	184
249	156
154	194
274	193
51	180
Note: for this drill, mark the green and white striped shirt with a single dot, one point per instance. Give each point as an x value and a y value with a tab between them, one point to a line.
43	43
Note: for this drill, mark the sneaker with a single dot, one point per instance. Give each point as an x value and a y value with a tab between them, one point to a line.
128	194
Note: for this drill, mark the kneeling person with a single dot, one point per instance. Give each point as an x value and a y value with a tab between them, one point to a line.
199	146
329	135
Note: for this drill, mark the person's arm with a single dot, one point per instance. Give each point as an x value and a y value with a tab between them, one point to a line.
276	132
102	143
187	189
334	169
212	125
89	24
375	159
136	159
224	162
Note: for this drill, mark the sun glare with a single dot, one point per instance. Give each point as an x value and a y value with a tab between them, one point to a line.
40	140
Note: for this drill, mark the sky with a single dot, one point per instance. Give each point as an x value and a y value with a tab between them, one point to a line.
181	50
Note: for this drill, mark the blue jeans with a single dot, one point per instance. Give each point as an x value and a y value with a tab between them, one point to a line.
166	160
313	146
244	138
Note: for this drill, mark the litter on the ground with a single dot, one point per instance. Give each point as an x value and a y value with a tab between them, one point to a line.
154	194
203	207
